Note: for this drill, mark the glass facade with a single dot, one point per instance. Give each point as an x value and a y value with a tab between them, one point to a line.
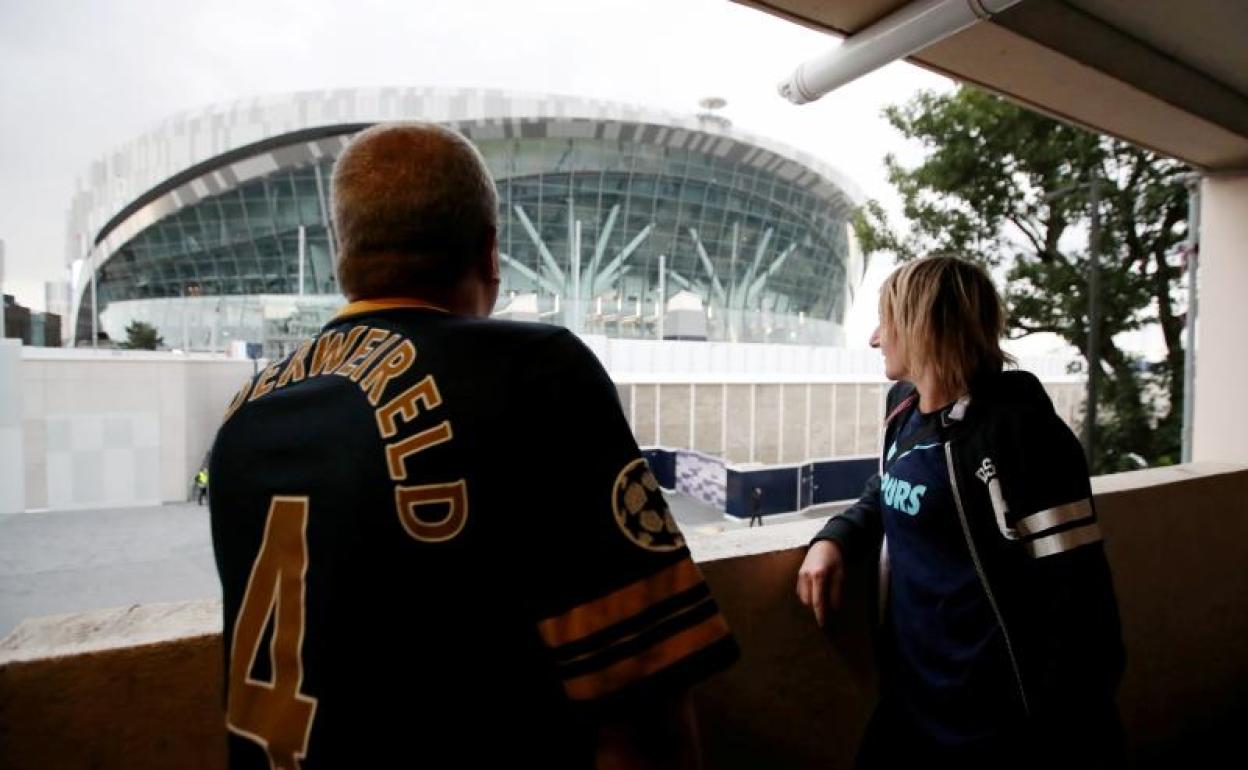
595	233
762	253
242	241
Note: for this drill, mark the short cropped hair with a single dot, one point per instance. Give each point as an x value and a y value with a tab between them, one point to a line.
414	209
947	318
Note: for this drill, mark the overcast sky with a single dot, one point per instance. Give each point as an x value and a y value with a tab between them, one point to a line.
78	78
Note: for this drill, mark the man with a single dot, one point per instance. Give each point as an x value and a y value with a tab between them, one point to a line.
756	506
438	543
201	485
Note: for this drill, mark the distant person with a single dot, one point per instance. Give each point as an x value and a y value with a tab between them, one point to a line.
444	520
1000	645
201	485
756	506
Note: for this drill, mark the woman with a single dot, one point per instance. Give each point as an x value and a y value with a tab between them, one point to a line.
1000	642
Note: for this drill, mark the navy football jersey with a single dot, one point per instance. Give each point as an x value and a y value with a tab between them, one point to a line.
439	545
946	660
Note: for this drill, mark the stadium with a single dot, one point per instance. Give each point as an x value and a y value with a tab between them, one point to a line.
614	220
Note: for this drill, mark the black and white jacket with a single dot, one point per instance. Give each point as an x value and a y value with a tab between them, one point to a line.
1023	496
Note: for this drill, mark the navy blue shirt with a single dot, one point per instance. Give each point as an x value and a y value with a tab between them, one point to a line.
401	580
949	668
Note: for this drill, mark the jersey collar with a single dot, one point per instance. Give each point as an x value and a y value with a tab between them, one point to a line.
364	306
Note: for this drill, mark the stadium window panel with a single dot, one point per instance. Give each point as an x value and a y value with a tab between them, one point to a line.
245	240
285	204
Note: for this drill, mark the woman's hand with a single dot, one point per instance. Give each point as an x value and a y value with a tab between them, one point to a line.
819	579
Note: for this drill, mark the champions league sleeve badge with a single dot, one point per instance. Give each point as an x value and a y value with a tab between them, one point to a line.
640	510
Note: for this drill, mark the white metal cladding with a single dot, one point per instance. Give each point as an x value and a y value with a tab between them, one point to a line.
190	145
188	139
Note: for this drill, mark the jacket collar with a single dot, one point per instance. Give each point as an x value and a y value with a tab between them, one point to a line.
951	415
956	412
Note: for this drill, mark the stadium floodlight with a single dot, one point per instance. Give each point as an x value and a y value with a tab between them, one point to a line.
900	34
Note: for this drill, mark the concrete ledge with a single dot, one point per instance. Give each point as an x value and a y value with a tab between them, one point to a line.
137	687
1132	481
140	687
1177	540
60	636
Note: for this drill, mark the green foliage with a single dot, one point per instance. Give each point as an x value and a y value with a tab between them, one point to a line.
1007	188
142	336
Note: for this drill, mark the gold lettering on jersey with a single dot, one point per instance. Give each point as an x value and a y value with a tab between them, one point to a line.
374	358
295	369
363	368
408	405
276	714
238	400
411	499
363	351
331	349
399	451
264	383
393	365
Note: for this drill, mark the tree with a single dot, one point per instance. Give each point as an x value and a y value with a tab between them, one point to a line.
142	336
998	185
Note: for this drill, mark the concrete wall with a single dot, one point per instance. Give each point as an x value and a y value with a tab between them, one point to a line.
647	360
140	688
1176	539
105	428
129	688
780	422
12	442
1221	422
110	427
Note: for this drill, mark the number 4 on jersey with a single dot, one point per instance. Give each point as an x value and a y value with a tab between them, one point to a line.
274	714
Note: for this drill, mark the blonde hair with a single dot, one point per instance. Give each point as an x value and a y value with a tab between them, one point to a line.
414	209
947	319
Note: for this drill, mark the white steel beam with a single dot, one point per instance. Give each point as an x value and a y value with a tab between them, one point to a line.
602	281
547	257
710	267
528	273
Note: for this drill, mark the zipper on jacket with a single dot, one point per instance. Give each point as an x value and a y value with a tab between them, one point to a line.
882	570
983	577
882	565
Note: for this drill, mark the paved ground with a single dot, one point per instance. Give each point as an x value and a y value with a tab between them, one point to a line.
68	561
693	514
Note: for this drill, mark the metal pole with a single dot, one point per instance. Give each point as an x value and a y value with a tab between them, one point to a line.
575	262
95	315
216	325
303	247
1189	348
662	309
3	305
1093	354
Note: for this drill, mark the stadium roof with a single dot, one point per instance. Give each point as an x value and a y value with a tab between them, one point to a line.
196	154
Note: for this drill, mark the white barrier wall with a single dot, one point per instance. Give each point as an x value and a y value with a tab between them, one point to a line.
12	473
771	404
112	428
647	360
777	423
